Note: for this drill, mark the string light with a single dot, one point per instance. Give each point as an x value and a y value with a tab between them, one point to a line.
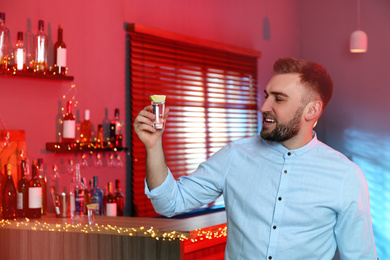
193	236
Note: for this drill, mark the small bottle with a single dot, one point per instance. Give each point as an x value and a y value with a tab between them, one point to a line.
106	126
20	53
21	197
110	202
119	198
60	54
77	196
40	49
43	180
4	44
97	196
34	194
87	195
86	128
69	125
9	196
116	130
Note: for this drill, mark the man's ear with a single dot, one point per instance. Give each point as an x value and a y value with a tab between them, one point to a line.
313	110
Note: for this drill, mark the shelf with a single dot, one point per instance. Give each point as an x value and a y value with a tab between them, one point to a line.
29	74
81	148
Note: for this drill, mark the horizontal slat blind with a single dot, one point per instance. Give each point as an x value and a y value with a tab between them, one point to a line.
211	95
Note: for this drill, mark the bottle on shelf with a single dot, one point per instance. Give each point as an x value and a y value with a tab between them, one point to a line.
106	126
77	196
20	54
97	196
86	128
116	130
34	194
9	195
40	49
69	125
100	136
119	198
43	180
22	196
4	44
110	201
87	195
60	54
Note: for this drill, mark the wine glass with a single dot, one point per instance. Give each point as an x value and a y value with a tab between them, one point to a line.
84	161
98	160
71	167
55	176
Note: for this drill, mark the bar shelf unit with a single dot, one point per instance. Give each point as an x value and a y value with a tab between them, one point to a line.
30	74
82	148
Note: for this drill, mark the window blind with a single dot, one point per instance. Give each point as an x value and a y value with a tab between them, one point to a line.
212	96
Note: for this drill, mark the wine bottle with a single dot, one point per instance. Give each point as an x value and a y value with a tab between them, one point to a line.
87	195
40	49
60	54
4	44
9	196
34	194
86	128
97	196
77	196
116	130
43	180
119	198
20	53
69	125
22	196
110	202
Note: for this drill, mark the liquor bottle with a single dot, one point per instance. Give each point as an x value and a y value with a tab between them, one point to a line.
97	196
69	125
106	126
86	128
119	198
110	202
87	195
100	136
40	49
4	44
20	53
9	196
116	130
77	196
43	180
60	54
21	198
34	194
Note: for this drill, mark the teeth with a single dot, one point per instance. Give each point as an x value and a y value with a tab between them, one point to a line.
269	120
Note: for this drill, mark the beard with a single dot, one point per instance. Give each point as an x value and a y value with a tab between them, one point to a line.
284	132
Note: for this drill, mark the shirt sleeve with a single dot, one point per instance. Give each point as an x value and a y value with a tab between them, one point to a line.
353	230
190	192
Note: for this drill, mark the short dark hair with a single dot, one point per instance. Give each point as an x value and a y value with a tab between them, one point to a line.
312	75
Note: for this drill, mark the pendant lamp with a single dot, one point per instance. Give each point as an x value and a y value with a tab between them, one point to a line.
358	40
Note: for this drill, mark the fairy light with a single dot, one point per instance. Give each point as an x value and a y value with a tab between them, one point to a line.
189	237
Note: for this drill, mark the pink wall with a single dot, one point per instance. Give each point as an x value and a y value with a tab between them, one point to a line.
95	38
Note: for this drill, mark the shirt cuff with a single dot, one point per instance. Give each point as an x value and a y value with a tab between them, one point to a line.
163	190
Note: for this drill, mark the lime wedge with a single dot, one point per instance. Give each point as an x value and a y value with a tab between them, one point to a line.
92	206
157	98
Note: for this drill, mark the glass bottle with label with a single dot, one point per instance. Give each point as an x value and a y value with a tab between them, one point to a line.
40	49
9	195
77	196
86	128
110	202
4	44
34	194
43	180
60	54
69	125
116	130
20	54
119	198
96	195
21	197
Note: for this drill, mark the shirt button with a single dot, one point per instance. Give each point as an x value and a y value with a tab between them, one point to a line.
274	227
280	198
289	154
285	171
270	257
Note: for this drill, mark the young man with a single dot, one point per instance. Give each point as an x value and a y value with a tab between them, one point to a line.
287	195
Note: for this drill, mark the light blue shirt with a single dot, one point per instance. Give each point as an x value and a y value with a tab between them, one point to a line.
281	204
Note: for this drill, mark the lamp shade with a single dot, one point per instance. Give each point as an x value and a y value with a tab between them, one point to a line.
358	42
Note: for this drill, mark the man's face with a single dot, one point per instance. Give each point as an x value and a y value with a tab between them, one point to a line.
282	109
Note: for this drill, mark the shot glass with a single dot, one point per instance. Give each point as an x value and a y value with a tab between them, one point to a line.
91	210
158	111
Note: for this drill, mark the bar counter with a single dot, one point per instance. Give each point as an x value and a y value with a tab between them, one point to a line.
200	237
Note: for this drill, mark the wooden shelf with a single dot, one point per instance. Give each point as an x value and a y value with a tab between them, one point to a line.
29	74
82	148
